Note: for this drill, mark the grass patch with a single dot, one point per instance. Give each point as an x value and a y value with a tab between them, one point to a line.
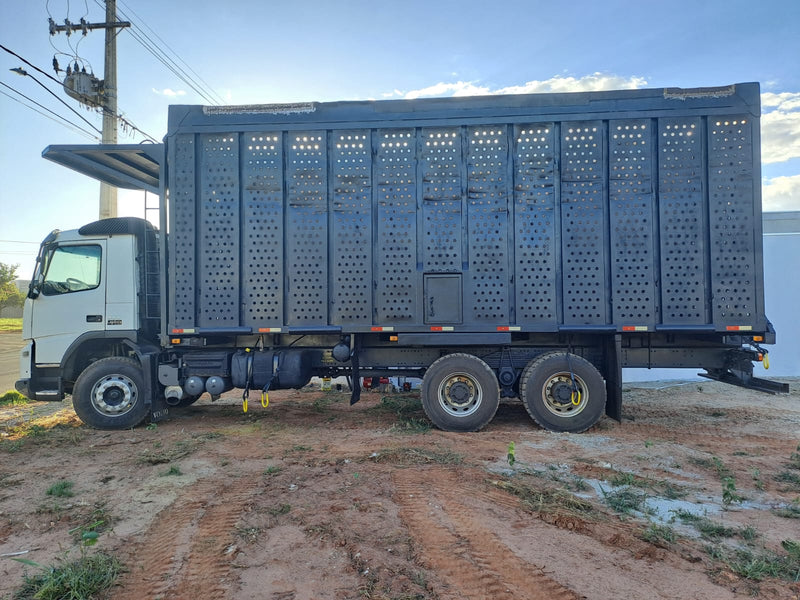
658	535
13	398
545	499
160	456
62	426
757	566
408	410
417	456
792	480
790	511
7	324
283	509
82	578
708	529
61	489
172	471
625	500
272	470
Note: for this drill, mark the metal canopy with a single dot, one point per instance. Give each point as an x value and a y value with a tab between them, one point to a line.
128	166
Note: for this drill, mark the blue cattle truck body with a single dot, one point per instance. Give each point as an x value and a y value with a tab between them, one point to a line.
523	246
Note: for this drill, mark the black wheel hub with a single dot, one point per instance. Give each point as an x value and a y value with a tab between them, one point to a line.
459	393
562	393
113	396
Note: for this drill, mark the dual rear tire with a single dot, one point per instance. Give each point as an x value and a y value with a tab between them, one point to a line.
560	391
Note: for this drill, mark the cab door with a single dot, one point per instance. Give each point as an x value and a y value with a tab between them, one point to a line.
71	298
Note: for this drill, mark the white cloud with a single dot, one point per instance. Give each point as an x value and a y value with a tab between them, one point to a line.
781	193
780	127
169	93
587	83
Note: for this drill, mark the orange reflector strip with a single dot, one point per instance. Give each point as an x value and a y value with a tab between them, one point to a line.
269	330
382	328
739	328
509	328
392	338
175	341
183	331
758	338
439	328
634	328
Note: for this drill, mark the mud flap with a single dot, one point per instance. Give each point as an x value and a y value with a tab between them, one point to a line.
355	395
159	410
613	375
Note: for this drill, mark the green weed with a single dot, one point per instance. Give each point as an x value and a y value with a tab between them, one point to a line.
13	398
61	489
173	470
82	578
658	535
625	500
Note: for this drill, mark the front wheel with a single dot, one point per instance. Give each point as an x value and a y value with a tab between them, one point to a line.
460	393
110	394
563	392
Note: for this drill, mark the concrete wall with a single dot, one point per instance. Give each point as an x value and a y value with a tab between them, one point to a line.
782	300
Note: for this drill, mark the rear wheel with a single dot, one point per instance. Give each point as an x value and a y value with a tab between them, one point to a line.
110	394
563	392
460	393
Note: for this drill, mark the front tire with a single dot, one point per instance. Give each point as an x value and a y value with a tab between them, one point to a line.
460	393
110	394
563	392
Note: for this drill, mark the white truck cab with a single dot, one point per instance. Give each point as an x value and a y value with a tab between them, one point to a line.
84	302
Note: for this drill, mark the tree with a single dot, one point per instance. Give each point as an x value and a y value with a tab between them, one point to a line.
9	294
7	273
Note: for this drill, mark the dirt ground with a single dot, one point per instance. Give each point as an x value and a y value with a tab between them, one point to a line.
690	497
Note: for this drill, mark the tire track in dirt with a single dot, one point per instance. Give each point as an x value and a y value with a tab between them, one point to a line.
185	552
467	555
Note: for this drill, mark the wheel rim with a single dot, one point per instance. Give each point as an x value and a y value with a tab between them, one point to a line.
559	397
460	395
114	395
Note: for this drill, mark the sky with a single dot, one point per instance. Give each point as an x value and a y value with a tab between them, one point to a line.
270	51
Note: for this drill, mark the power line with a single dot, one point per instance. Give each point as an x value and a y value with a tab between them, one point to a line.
52	93
195	73
151	46
125	121
69	124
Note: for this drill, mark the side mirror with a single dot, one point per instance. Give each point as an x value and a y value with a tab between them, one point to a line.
35	287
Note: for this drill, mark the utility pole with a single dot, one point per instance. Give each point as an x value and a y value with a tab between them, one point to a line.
108	193
87	90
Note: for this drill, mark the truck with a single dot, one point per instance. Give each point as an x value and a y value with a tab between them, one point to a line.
503	247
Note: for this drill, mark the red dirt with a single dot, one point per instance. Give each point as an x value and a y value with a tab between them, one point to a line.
312	498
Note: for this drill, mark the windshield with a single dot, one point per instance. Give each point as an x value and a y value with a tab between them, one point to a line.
70	269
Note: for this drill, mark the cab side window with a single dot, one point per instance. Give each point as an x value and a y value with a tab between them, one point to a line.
72	269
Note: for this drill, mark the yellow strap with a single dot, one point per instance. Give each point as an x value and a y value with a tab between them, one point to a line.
574	396
244	404
265	399
766	361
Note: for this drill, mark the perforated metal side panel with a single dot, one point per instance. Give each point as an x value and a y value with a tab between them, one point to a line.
351	263
396	281
182	238
307	228
219	230
583	237
262	229
730	183
631	201
535	224
488	172
682	222
441	163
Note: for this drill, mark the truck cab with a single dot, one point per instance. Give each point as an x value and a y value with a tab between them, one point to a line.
87	300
